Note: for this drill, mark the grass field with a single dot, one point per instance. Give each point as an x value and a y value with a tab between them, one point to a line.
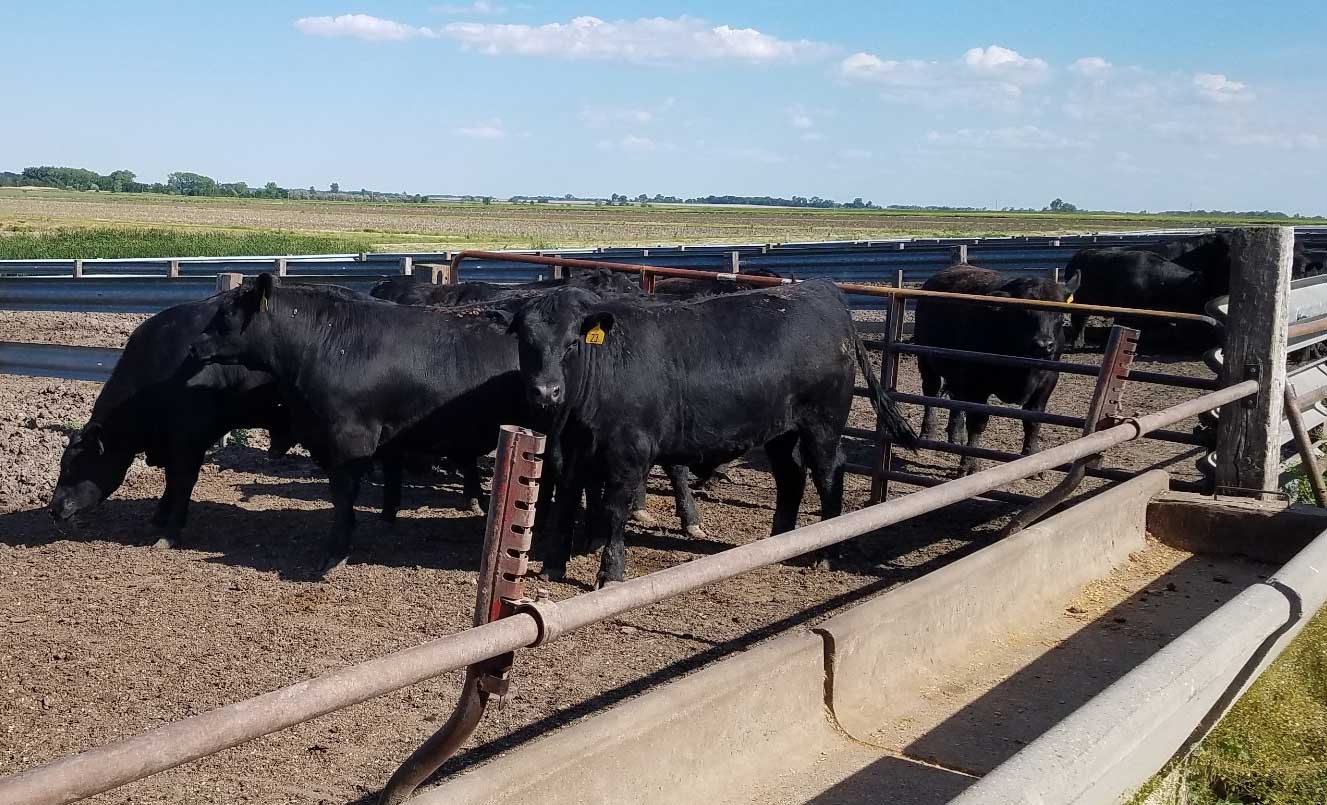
130	241
501	225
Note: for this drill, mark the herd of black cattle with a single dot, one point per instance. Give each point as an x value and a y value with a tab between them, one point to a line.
688	378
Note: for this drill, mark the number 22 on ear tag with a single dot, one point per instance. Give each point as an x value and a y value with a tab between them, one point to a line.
595	335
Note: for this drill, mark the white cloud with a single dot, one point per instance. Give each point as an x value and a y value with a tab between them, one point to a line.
1005	138
492	129
1216	87
812	136
801	120
655	40
989	77
1091	66
855	154
635	144
361	26
1002	64
478	7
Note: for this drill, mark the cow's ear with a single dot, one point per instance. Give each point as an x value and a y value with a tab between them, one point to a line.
599	320
90	437
1072	285
500	319
263	287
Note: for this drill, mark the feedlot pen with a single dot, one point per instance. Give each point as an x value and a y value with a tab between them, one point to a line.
104	637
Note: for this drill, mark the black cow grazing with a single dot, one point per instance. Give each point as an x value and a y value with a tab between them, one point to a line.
365	379
698	383
1008	330
1137	279
160	403
406	291
684	288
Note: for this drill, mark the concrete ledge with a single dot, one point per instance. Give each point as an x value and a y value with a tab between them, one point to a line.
1267	531
702	738
1114	743
882	651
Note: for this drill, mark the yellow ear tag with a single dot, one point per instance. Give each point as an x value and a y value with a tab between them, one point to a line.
595	335
262	304
1069	298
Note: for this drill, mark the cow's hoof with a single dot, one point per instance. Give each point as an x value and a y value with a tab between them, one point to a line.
964	470
823	563
605	581
333	563
478	506
553	572
696	532
644	517
163	544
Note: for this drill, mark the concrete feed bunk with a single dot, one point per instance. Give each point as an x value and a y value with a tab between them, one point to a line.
918	693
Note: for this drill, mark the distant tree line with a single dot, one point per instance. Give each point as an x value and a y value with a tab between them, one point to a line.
181	183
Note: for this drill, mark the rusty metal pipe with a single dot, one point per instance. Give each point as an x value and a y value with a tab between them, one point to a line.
72	778
616	599
846	287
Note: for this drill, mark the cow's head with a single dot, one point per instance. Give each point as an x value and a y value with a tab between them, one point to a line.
553	333
90	470
602	280
1029	331
226	339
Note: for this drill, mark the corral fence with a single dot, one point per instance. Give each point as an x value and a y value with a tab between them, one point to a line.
1250	396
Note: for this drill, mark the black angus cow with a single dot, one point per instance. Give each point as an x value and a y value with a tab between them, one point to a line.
406	291
1136	279
159	402
364	379
697	383
1007	330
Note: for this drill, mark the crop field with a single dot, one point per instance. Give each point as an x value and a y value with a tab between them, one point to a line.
386	226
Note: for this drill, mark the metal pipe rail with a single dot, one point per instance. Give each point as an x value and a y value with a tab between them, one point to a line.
78	776
1158	378
1009	412
846	287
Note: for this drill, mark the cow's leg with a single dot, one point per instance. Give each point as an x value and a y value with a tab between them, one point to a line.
556	521
931	383
789	481
1078	330
679	475
976	427
823	454
345	481
618	493
639	512
1036	402
473	486
173	508
957	430
393	474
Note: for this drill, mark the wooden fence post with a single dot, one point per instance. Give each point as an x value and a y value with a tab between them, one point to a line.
735	259
281	266
229	282
406	263
1248	446
961	254
78	268
173	270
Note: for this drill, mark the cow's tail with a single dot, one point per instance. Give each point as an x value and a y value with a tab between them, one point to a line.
886	411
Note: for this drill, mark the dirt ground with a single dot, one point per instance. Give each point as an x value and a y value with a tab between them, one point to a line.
102	637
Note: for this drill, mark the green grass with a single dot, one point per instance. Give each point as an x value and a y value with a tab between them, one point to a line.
94	242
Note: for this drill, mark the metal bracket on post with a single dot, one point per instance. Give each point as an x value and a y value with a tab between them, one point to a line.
1252	371
500	592
1105	409
454	276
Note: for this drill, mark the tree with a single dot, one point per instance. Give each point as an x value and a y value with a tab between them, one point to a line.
119	181
488	199
191	184
336	188
1060	205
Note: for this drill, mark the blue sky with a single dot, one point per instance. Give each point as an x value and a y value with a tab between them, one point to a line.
1124	105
